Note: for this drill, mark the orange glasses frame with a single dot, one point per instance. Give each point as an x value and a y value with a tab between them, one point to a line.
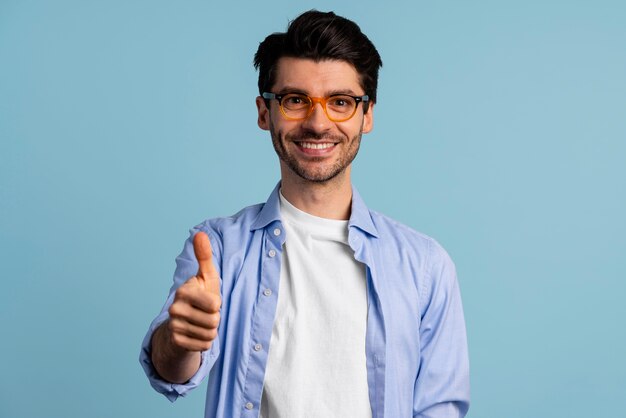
321	100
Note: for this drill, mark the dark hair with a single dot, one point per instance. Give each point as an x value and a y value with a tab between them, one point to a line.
319	36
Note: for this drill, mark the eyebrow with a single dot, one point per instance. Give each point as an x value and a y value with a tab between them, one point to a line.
289	89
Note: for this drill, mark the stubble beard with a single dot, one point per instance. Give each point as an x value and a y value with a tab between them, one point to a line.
323	174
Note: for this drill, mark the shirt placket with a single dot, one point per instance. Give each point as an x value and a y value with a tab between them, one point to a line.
263	318
375	339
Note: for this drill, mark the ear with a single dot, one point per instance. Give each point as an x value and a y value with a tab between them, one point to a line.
263	114
368	119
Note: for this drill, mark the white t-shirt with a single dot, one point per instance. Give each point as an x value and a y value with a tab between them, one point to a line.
316	361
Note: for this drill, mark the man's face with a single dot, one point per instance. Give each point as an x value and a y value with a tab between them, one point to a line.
315	149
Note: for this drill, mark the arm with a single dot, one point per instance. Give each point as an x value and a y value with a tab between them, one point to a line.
194	318
173	363
442	385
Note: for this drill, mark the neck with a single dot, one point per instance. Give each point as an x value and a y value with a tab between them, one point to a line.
331	199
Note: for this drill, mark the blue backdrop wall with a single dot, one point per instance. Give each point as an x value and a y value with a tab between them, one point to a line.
500	131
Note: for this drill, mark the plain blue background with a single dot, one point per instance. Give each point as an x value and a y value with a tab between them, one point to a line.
500	130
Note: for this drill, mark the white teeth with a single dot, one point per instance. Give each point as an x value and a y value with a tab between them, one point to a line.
313	145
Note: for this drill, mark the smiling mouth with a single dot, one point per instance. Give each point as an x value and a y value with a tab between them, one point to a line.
316	145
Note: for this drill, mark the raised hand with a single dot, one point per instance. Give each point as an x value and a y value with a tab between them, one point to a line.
195	312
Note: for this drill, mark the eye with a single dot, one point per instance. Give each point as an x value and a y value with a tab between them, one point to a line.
338	102
292	100
341	103
295	101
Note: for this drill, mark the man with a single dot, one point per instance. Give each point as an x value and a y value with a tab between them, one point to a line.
312	305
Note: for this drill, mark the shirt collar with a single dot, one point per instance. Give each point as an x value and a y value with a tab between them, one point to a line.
360	215
270	211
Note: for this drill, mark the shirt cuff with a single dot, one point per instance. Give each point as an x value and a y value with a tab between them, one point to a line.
173	390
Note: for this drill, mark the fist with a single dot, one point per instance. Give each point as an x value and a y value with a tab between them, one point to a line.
195	312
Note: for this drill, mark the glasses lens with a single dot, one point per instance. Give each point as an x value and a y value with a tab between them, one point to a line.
296	105
340	107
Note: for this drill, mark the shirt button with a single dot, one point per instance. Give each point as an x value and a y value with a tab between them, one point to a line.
257	347
267	292
277	231
249	405
272	253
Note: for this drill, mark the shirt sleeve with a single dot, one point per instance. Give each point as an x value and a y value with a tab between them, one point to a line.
442	384
186	267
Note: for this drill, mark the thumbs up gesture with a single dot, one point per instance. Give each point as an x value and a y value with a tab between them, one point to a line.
195	312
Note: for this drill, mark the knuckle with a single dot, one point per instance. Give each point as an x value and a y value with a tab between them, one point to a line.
214	320
178	339
215	303
171	324
188	288
176	325
212	334
183	291
175	310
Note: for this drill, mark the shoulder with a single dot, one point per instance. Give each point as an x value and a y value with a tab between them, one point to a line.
403	244
393	232
229	230
242	219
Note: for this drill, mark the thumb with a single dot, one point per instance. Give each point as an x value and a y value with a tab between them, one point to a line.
204	255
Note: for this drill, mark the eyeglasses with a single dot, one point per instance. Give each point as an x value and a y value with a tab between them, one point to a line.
338	107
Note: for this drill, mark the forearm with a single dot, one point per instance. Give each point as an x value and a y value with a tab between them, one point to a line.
172	363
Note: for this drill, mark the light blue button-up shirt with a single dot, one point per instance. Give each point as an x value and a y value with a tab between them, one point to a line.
416	347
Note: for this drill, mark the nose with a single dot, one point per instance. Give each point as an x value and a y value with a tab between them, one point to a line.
317	120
